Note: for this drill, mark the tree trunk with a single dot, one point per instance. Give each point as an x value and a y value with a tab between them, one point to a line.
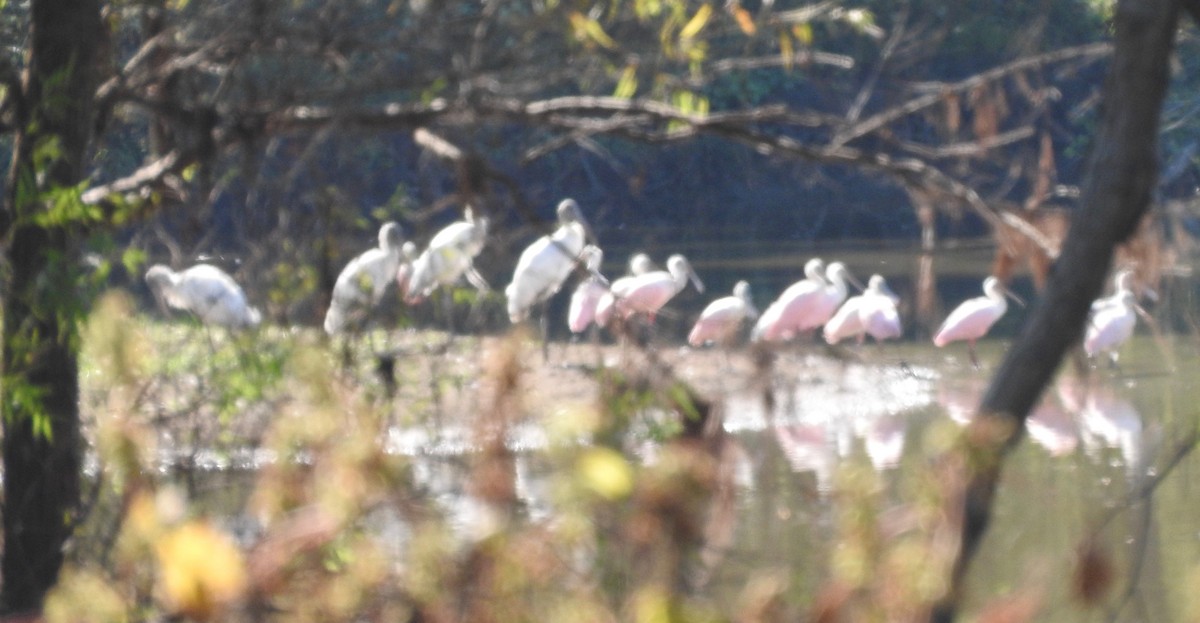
1116	191
39	397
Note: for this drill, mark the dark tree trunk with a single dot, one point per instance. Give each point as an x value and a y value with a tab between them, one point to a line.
1116	191
39	396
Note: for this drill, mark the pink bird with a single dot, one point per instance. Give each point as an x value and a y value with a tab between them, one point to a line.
973	317
649	292
639	264
783	316
720	321
587	294
871	313
807	304
835	291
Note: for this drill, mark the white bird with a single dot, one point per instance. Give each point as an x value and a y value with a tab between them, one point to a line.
871	313
722	318
450	255
1111	323
784	316
973	317
363	281
545	264
587	294
639	264
206	291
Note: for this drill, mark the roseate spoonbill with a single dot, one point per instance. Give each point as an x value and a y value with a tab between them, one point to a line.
408	256
449	256
207	292
1113	318
871	313
973	317
649	292
587	294
722	318
785	314
363	281
837	276
639	264
1111	323
545	264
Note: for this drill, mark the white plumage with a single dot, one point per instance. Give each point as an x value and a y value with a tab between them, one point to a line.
450	255
363	281
206	291
545	264
1112	319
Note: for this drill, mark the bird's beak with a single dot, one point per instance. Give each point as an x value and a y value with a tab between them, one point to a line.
1010	294
888	292
589	236
695	280
854	282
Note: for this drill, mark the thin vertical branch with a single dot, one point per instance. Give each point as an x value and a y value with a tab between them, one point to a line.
1116	192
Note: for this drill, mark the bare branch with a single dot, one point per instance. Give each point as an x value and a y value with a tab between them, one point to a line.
1116	192
149	175
939	90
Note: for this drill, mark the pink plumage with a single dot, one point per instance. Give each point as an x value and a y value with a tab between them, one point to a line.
722	318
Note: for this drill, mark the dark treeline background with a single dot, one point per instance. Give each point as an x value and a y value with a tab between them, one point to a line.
287	208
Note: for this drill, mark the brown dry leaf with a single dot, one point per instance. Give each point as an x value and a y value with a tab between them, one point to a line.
952	105
1045	173
987	114
1094	574
745	20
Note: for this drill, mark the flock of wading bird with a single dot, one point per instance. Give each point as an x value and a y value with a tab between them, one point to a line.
819	301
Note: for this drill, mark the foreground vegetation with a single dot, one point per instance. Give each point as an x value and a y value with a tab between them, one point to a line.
335	524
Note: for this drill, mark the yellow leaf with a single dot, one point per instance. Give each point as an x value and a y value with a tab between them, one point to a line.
696	24
588	29
786	50
200	570
803	33
606	472
628	84
744	20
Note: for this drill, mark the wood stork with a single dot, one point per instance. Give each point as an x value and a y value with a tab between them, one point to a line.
207	292
450	255
545	264
364	280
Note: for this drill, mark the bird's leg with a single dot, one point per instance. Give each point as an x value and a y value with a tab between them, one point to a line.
971	352
448	309
544	325
477	280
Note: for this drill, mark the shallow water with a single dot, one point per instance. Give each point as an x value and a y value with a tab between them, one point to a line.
1089	447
